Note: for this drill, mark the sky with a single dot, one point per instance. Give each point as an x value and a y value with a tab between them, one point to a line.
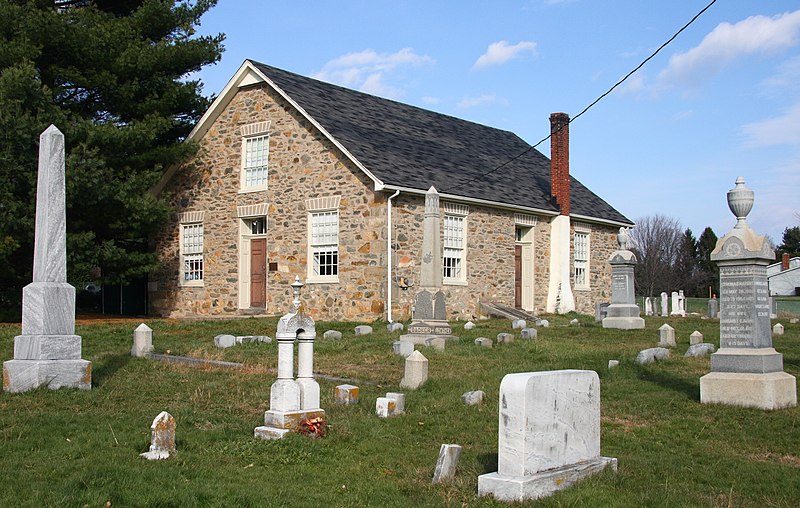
722	100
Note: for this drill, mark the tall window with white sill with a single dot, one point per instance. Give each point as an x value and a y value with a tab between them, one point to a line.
581	241
324	246
192	254
453	265
255	158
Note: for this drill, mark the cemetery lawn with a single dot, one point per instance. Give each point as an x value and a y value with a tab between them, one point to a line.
81	448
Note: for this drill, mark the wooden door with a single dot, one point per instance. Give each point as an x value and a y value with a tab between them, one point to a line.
518	276
258	272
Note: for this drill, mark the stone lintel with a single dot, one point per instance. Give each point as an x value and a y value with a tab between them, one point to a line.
774	390
25	375
747	360
541	484
47	347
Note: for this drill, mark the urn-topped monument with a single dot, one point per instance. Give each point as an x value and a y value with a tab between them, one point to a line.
746	370
623	312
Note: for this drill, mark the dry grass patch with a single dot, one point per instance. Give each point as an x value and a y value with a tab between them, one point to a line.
785	459
628	424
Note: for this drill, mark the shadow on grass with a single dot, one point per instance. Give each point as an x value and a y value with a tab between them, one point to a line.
107	367
671	382
488	462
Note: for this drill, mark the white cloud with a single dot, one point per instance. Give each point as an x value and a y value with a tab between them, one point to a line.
727	42
470	102
781	130
367	70
787	77
501	52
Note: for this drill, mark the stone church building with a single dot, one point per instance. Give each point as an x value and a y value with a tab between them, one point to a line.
295	176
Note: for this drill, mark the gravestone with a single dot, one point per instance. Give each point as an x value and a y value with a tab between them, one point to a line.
224	341
695	338
363	330
416	372
601	311
346	395
666	336
402	348
518	324
447	463
142	341
648	306
613	364
529	333
332	334
549	434
429	313
505	338
395	327
292	401
699	350
677	305
777	329
651	355
483	341
469	325
623	313
664	304
392	405
712	307
473	398
746	370
48	352
162	437
681	303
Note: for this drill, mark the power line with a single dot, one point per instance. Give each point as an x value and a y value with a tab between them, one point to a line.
587	108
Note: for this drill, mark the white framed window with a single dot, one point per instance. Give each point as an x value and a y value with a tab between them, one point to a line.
192	271
454	249
255	156
581	259
323	239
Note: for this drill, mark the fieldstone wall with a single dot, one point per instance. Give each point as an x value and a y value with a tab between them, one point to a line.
602	242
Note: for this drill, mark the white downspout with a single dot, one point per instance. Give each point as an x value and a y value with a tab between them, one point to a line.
389	233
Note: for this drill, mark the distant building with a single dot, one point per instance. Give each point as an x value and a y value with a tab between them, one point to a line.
784	277
295	176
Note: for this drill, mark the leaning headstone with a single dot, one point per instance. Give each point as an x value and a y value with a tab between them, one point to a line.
469	325
162	440
777	329
395	327
332	334
712	307
651	355
695	338
473	398
549	434
612	364
746	370
142	340
699	350
346	395
483	341
224	341
363	330
664	304
666	336
416	372
402	348
518	324
48	352
623	313
447	463
505	338
529	333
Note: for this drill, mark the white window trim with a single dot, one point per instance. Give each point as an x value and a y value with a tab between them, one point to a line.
248	132
582	230
186	220
461	211
315	206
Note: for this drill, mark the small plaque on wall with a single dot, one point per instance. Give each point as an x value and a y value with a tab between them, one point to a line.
273	267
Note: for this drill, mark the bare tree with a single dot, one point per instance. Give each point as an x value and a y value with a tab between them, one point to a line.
656	240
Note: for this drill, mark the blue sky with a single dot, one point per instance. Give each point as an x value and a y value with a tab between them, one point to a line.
722	100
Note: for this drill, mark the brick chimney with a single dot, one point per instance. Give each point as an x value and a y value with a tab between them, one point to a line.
559	160
785	261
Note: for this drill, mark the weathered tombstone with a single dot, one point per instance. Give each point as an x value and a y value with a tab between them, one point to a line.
505	338
666	336
682	303
48	352
439	307
399	401
648	306
447	463
695	338
483	341
291	400
698	350
656	311
363	330
518	324
712	307
601	311
676	305
224	340
402	348
162	439
473	398
623	313
469	325
250	339
549	434
651	355
391	405
416	372
777	329
438	343
543	323
664	304
574	322
346	395
142	340
529	333
613	364
395	327
332	334
746	370
423	306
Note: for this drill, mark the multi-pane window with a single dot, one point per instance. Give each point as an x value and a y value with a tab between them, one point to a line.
256	151
453	259
581	260
192	252
258	225
325	243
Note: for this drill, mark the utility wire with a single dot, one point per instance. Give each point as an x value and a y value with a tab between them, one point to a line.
587	108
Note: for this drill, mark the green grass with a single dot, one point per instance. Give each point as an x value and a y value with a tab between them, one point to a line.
80	448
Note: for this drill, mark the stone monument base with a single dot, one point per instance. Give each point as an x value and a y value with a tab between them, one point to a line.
541	484
623	323
25	375
774	390
432	333
278	423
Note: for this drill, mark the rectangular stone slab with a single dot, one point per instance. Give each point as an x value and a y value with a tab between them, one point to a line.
47	347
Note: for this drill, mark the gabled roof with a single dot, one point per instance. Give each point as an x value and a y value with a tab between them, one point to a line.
405	147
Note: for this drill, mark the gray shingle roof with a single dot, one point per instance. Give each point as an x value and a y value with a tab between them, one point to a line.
410	147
